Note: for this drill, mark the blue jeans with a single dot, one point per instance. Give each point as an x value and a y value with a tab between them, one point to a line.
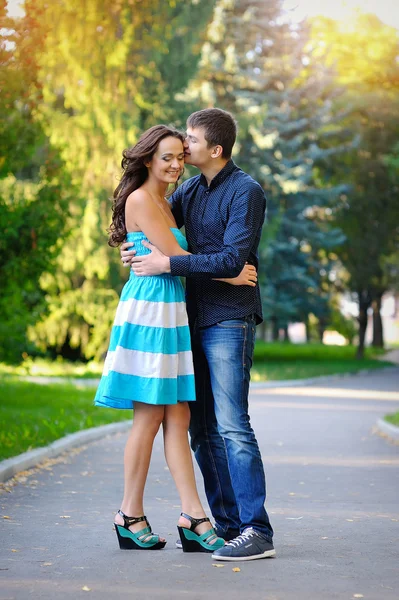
222	438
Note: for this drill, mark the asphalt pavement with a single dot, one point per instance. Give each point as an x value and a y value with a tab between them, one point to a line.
333	499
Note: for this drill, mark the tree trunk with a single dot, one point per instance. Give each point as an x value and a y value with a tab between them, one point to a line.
307	331
286	334
275	330
263	331
378	333
364	304
321	327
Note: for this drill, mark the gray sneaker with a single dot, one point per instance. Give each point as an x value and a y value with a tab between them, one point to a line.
250	545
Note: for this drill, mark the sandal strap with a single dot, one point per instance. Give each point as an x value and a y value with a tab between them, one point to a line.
128	521
208	536
194	522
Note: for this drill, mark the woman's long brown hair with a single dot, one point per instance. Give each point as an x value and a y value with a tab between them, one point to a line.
134	175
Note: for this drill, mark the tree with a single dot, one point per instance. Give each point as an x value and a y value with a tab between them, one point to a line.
283	99
369	212
32	199
108	71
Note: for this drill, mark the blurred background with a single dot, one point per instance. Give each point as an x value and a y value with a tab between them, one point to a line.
314	87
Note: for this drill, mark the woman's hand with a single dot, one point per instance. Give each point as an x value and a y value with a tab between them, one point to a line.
248	276
127	253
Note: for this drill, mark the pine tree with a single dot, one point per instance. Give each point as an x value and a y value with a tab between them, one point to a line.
260	67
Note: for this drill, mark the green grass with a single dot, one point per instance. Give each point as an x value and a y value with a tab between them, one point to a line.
279	361
393	419
279	351
303	369
56	368
33	415
276	357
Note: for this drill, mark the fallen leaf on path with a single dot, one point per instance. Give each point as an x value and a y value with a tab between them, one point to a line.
358	596
65	517
349	520
236	569
217	565
13	550
6	517
86	589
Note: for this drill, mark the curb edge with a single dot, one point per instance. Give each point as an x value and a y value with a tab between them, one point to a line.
11	466
388	430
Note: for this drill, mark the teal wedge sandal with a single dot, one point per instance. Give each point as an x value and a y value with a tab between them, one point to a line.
141	540
194	542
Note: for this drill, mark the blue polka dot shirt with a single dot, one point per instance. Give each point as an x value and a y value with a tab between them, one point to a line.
223	224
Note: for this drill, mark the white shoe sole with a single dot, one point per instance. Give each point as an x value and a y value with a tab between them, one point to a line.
266	554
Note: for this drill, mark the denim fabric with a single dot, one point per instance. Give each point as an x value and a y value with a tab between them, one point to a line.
221	434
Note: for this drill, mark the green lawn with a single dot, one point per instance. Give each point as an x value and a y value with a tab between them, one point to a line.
33	415
279	361
304	369
393	419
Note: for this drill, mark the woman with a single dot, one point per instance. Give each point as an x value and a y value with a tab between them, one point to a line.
149	363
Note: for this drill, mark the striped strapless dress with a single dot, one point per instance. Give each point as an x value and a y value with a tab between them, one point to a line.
149	356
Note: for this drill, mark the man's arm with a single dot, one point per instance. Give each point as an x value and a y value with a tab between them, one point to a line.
246	217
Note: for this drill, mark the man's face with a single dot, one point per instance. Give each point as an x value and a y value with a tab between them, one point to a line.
197	152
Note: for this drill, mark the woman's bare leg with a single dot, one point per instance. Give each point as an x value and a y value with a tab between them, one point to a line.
138	449
179	458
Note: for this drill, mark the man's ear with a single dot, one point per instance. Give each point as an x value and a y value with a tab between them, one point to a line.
217	151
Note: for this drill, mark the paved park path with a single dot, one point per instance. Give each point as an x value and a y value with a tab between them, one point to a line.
333	488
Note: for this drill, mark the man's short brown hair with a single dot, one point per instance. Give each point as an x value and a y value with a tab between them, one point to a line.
220	128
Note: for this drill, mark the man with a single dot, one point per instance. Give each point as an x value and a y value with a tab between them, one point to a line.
223	212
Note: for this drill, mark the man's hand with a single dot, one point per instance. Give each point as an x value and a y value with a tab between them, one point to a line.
155	263
127	253
248	276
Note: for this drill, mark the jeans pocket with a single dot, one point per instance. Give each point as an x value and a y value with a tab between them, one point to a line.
231	324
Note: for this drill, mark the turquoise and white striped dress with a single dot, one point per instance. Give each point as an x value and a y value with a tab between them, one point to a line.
149	357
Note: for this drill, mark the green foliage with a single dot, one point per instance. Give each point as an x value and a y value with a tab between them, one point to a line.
393	419
368	213
82	80
33	415
20	132
32	220
286	115
346	326
108	71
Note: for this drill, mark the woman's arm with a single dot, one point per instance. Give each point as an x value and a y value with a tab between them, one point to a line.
142	212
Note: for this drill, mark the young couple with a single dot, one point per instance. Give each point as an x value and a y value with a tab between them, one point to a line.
152	358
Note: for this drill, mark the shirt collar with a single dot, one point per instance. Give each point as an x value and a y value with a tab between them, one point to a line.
221	176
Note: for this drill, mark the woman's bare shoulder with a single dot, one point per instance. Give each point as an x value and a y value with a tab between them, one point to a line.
139	197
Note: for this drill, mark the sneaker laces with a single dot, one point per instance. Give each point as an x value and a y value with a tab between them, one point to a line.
242	538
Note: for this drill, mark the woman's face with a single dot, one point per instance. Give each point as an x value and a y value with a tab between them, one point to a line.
167	163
